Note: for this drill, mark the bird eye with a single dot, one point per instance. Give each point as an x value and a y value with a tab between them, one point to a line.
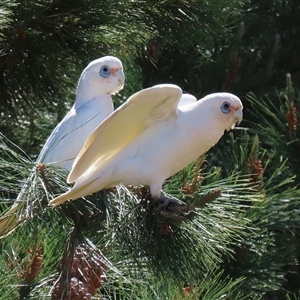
104	71
225	107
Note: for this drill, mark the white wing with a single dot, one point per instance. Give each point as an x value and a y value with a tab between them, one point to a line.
187	99
126	123
129	121
68	137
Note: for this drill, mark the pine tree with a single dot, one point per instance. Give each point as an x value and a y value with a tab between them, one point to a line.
237	238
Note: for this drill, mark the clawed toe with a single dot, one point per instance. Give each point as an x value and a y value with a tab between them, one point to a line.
166	201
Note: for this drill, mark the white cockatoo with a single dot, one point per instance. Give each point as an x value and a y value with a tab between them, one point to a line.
102	78
148	139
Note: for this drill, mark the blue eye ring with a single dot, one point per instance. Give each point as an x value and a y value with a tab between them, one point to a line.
226	107
104	71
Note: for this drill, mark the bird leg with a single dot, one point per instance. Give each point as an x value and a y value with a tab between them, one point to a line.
166	201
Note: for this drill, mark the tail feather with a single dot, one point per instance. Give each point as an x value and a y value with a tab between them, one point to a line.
73	194
10	221
61	199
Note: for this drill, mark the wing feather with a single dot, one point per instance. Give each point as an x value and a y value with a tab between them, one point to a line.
145	107
187	99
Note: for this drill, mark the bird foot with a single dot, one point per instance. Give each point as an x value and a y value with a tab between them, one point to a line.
166	201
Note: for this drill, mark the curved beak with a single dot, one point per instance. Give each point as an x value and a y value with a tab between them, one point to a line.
238	115
121	75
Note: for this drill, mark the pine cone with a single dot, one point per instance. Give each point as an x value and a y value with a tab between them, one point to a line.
86	271
77	291
32	264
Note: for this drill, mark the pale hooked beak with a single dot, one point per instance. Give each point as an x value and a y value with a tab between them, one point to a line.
118	72
238	114
238	117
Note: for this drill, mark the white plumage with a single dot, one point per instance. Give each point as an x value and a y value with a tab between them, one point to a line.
186	99
102	78
149	138
92	105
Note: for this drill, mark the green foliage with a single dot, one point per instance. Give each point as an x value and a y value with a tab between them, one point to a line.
270	45
45	46
138	245
242	245
275	118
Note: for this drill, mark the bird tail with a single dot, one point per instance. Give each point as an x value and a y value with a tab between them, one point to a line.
10	221
73	194
61	199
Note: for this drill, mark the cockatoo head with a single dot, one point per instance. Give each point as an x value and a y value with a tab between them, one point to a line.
102	76
228	109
